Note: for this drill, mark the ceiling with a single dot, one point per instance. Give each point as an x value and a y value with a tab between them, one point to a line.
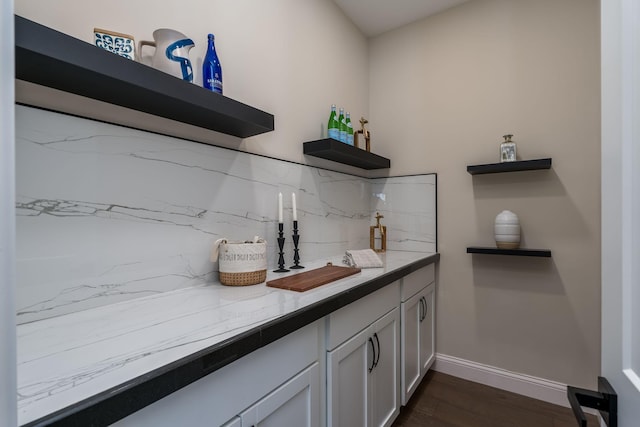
375	17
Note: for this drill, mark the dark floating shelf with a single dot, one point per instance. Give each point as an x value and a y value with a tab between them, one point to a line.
53	59
544	253
340	152
521	165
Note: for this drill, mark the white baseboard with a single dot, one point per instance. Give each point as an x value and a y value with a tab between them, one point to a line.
526	385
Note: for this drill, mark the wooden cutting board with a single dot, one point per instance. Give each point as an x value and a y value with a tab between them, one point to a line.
313	278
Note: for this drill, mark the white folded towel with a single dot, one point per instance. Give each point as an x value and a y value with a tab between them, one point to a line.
362	258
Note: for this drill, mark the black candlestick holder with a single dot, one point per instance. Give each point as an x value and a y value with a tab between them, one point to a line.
296	252
281	268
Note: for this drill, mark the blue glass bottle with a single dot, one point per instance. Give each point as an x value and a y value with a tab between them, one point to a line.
211	68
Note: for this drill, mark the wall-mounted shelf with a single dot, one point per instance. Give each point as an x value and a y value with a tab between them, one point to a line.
53	59
521	165
544	253
340	152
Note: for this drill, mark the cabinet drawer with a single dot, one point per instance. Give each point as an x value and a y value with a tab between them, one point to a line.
414	282
351	319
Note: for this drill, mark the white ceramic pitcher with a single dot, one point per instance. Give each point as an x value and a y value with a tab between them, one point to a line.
172	53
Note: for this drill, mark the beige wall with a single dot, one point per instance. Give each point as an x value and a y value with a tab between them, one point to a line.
440	94
290	58
443	91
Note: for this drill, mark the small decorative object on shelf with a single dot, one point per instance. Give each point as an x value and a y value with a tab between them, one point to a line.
211	68
118	43
507	150
378	235
171	54
507	230
365	133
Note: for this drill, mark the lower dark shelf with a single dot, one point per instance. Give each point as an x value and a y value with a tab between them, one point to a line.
544	253
340	152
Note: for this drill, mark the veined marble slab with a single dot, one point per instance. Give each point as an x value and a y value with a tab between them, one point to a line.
408	204
106	213
66	359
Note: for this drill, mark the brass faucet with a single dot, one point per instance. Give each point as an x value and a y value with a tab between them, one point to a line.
365	133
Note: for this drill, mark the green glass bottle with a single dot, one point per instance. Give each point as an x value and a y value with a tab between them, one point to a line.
333	126
349	129
343	126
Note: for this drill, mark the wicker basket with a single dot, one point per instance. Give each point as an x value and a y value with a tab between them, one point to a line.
243	279
241	263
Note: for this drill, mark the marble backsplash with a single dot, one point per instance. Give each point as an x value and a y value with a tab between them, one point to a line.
107	213
408	204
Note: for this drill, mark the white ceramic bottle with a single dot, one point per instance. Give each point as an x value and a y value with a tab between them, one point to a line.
507	230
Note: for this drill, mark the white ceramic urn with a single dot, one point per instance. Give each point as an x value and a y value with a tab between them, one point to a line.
507	230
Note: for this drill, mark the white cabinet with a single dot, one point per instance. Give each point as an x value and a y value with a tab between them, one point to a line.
292	404
385	395
363	371
353	368
418	329
277	379
427	329
348	381
363	378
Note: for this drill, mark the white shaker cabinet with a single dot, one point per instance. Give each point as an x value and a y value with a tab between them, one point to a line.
348	382
353	368
418	328
385	393
276	380
363	371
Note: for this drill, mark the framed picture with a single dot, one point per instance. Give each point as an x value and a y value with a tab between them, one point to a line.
508	152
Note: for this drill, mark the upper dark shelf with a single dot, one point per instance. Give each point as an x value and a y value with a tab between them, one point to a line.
53	59
340	152
544	253
521	165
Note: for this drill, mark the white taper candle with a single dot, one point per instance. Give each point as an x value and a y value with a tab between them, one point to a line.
280	208
293	203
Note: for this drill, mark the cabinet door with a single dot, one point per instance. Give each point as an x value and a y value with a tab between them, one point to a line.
348	379
427	329
295	403
411	344
385	396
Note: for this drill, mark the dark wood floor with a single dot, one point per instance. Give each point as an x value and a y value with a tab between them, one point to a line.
445	401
